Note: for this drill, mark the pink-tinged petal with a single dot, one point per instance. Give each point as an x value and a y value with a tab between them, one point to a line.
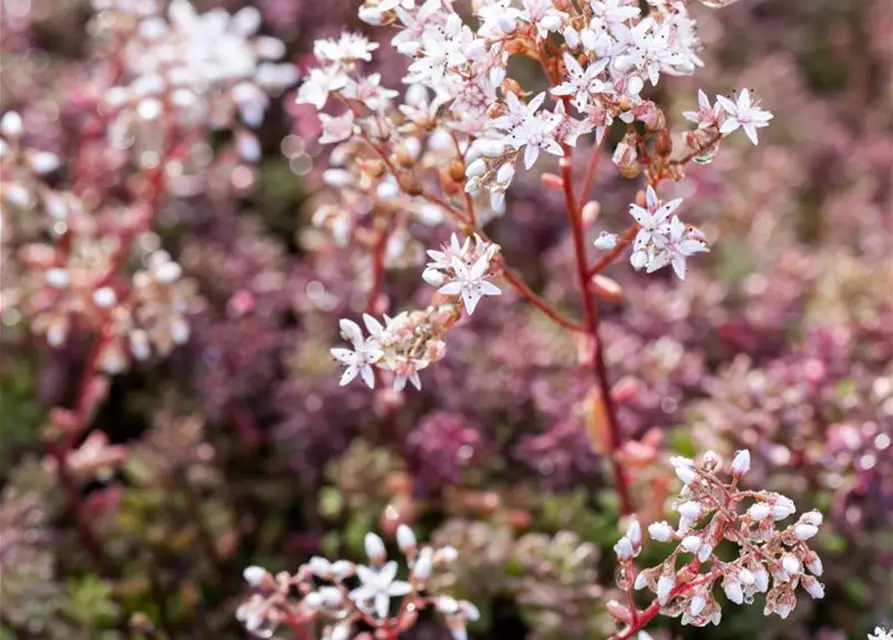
415	380
651	200
488	288
368	376
693	116
382	605
455	247
344	356
399	383
349	374
688	247
451	288
352	332
751	132
703	100
744	100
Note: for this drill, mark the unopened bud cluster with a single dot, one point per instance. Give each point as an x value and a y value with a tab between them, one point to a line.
771	558
337	596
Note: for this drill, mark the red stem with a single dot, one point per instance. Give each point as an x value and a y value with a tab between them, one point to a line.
625	240
591	321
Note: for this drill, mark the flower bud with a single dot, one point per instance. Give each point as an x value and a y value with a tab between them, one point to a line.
406	539
685	473
590	212
691	544
104	297
696	605
814	563
805	531
374	547
11	125
813	587
606	241
476	168
691	509
605	288
619	612
57	278
759	511
255	575
421	571
320	567
791	564
660	531
741	463
664	586
634	533
623	549
733	590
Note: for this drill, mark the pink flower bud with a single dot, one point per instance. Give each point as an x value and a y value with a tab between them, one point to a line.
813	587
733	590
255	575
759	511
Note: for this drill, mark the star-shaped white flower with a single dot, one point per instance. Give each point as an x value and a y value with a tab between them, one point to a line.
707	115
471	282
580	82
675	245
316	88
378	587
651	217
360	359
743	113
880	634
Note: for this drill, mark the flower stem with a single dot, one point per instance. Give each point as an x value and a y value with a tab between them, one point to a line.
590	311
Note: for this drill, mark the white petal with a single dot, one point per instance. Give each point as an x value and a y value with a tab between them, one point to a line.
349	374
451	288
352	332
368	376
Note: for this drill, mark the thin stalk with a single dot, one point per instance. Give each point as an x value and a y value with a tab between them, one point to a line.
590	311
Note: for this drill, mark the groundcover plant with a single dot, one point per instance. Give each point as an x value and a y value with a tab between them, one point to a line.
491	319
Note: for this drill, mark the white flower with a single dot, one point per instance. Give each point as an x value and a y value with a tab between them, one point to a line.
581	83
543	15
349	47
471	282
691	544
696	605
650	219
675	245
743	113
336	128
707	115
790	564
317	86
880	634
358	361
378	587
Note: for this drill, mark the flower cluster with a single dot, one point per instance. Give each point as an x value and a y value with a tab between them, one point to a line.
449	149
193	72
410	341
319	593
770	559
